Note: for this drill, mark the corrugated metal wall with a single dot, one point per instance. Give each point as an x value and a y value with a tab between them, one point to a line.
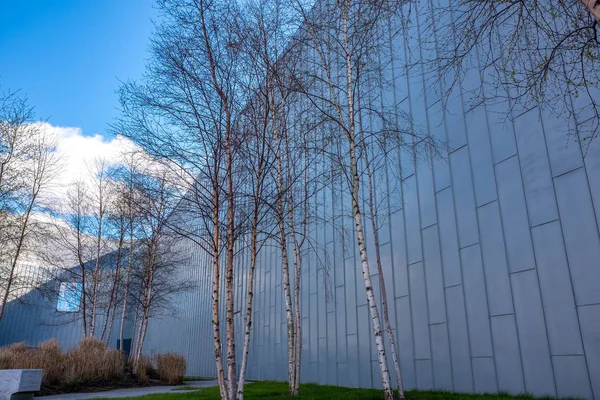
491	256
33	317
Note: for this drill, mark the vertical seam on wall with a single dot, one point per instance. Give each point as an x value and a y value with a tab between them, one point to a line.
335	287
460	255
445	133
430	165
393	240
412	327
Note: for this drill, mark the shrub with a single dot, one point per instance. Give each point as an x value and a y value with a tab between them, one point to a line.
47	357
91	362
22	356
5	358
171	367
143	370
51	359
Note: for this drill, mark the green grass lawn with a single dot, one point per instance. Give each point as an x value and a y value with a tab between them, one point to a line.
278	390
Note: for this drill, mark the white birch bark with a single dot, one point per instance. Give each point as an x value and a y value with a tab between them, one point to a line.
253	259
593	7
382	287
231	361
249	299
215	310
286	272
381	353
297	247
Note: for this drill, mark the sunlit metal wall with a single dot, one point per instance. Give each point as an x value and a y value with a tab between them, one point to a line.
491	255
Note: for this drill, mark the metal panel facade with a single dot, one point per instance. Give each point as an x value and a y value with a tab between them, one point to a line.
490	254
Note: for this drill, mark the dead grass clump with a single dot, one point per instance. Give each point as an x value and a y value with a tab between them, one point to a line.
6	358
143	370
171	367
22	356
51	359
93	362
47	357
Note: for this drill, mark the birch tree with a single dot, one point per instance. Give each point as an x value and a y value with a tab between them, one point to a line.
342	41
184	112
157	260
255	32
28	162
85	240
99	201
268	49
118	225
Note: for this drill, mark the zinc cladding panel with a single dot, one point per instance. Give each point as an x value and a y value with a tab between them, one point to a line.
433	275
507	354
535	169
494	260
464	203
440	352
531	325
514	216
580	231
460	352
589	318
476	302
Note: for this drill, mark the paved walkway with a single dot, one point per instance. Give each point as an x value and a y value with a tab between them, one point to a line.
130	392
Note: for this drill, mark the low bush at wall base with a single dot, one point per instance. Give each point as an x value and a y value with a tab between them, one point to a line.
89	367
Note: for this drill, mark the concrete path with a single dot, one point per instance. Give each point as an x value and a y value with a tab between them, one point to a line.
130	392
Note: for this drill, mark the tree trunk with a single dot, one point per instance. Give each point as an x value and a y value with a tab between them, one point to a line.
126	294
215	310
381	355
231	362
297	345
386	317
253	256
113	293
593	7
111	325
298	332
134	329
139	343
375	228
355	190
130	216
249	298
285	266
147	299
96	275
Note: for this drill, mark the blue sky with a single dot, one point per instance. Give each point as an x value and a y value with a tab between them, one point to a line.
68	56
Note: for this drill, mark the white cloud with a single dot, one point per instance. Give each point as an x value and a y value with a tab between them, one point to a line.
78	154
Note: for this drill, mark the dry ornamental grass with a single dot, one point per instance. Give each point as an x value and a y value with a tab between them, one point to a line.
90	364
171	367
